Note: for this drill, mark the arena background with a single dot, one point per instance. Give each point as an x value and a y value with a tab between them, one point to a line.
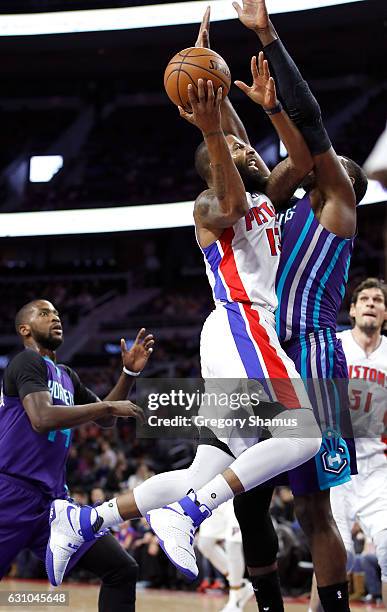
97	100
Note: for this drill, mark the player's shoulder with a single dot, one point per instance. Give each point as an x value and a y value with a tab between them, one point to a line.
345	334
26	357
383	344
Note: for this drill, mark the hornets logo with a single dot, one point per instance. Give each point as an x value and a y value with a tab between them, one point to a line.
332	461
334	452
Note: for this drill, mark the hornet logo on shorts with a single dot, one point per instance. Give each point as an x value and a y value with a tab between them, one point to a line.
334	452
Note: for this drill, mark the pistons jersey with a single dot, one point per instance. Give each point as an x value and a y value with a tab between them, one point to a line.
368	396
241	265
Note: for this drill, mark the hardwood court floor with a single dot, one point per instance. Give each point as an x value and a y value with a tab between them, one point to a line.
83	598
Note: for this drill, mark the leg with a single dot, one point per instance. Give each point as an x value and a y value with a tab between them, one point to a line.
260	544
213	551
328	552
380	541
118	572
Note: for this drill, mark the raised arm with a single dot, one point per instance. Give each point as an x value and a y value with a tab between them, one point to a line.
231	122
304	110
287	175
225	201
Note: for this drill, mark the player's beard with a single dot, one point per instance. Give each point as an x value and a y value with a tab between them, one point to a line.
48	341
252	179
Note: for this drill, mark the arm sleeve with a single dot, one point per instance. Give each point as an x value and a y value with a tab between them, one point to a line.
27	373
82	395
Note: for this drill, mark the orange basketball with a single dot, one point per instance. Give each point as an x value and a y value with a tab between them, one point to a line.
192	64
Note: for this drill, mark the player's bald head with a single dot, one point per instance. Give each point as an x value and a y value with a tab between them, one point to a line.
23	316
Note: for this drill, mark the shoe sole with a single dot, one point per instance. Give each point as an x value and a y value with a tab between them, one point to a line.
49	555
186	572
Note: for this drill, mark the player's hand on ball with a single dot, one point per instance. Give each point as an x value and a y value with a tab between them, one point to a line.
262	91
136	358
203	39
205	107
126	409
253	14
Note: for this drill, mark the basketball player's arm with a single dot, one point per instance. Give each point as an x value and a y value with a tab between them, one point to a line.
26	378
225	202
338	212
231	122
287	175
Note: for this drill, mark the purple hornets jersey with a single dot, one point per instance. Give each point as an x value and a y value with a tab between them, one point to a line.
312	274
35	457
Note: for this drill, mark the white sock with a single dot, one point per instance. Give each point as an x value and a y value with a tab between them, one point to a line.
109	512
169	487
215	493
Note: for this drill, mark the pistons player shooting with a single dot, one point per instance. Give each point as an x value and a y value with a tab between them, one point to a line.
237	232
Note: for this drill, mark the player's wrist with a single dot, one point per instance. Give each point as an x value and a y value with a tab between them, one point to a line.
273	110
211	133
130	372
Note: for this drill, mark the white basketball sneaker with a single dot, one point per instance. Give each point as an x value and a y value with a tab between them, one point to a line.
70	527
238	598
175	526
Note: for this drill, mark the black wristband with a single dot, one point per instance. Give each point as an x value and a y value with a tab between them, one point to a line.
273	111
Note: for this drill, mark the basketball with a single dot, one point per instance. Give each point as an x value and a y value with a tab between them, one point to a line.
192	64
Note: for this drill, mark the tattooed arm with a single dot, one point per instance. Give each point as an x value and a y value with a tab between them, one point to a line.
225	201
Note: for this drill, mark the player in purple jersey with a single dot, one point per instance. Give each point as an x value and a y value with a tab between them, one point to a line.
316	249
40	402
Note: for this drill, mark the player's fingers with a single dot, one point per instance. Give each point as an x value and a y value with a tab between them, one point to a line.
192	97
245	88
254	67
260	63
148	338
219	96
140	335
237	8
210	92
266	70
149	344
123	345
183	113
271	85
206	19
201	90
205	39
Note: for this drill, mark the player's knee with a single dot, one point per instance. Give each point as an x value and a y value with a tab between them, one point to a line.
124	572
380	542
314	513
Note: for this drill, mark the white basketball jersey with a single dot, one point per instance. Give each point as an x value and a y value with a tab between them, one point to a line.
241	266
367	394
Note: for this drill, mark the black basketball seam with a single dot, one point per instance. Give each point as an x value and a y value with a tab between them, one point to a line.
177	85
200	55
206	70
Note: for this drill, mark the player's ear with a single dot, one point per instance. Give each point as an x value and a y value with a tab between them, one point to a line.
24	330
352	311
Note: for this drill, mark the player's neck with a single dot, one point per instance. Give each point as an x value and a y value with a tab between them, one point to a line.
368	340
44	352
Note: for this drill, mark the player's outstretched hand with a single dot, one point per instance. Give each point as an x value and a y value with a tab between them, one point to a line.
262	91
203	39
136	358
253	14
125	408
205	107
